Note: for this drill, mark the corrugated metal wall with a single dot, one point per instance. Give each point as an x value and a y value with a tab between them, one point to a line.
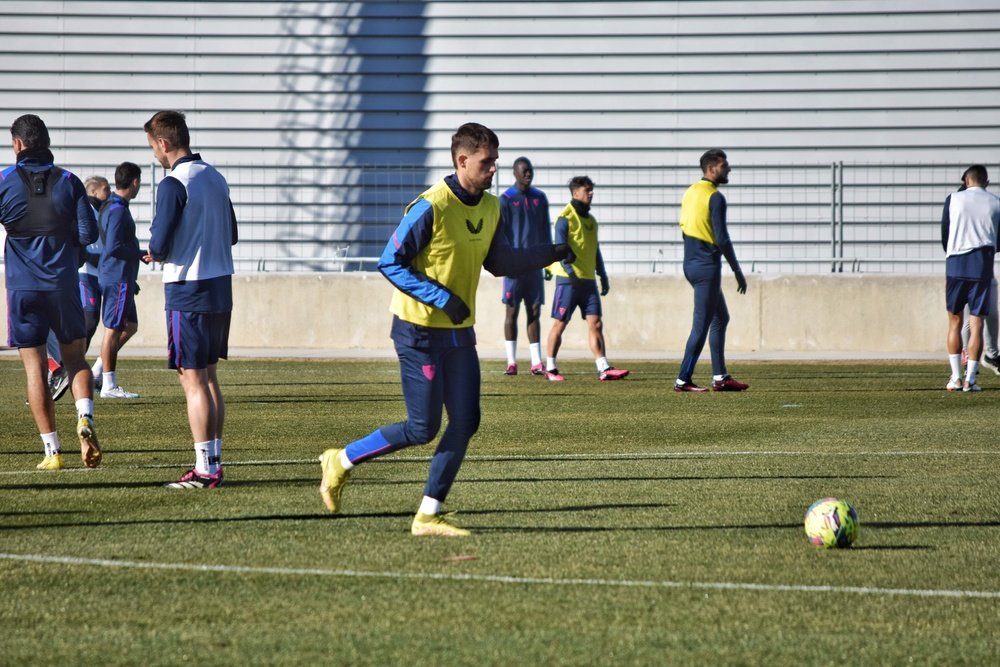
331	97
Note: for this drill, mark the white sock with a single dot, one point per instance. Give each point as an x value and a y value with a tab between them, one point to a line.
970	371
85	406
511	347
98	367
51	442
430	506
536	353
550	364
201	457
718	378
110	380
955	361
602	364
345	462
214	456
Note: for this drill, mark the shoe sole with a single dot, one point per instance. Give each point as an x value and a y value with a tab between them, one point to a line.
90	450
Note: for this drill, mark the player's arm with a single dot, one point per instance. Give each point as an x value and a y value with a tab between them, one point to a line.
506	226
602	272
234	228
717	214
170	200
396	263
86	223
945	223
503	260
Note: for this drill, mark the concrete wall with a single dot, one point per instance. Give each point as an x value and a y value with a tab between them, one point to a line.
644	315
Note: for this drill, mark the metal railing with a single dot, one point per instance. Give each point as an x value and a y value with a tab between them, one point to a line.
784	218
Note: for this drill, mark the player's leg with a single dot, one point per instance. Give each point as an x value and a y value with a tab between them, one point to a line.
461	379
979	307
190	352
956	298
991	355
721	380
91	299
42	406
707	288
422	382
69	324
533	293
120	321
563	306
58	379
510	333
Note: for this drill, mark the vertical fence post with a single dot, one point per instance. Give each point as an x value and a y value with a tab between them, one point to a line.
840	213
833	217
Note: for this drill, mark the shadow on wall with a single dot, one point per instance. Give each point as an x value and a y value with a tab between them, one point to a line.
353	84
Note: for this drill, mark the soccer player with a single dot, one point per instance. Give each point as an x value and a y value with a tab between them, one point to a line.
193	231
434	259
969	237
575	281
706	242
119	270
524	215
47	217
98	192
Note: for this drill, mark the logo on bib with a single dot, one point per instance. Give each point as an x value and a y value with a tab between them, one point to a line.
474	229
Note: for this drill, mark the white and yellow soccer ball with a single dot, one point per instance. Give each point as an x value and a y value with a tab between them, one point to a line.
831	524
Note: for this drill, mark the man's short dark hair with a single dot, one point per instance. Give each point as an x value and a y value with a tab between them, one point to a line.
977	173
31	130
169	125
521	160
578	182
711	157
125	173
469	138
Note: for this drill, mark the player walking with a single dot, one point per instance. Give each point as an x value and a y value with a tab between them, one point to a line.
706	242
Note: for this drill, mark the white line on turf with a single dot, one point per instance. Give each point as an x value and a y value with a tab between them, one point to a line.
501	579
610	456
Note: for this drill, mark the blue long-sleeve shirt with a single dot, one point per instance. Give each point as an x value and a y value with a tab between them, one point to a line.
46	262
412	236
121	255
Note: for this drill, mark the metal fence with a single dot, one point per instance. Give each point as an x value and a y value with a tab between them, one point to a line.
793	218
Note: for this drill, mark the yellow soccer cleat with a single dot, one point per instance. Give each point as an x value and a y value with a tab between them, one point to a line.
334	478
434	525
90	451
53	462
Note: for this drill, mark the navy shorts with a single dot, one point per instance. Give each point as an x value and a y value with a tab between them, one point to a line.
31	314
90	293
567	299
119	305
528	287
196	340
960	292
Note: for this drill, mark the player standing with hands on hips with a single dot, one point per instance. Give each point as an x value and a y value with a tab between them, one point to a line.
706	242
434	259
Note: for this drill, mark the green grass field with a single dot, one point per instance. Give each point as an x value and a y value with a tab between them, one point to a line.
613	523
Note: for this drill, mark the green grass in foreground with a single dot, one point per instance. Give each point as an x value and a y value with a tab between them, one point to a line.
588	502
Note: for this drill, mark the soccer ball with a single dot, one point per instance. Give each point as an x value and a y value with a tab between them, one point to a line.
831	524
